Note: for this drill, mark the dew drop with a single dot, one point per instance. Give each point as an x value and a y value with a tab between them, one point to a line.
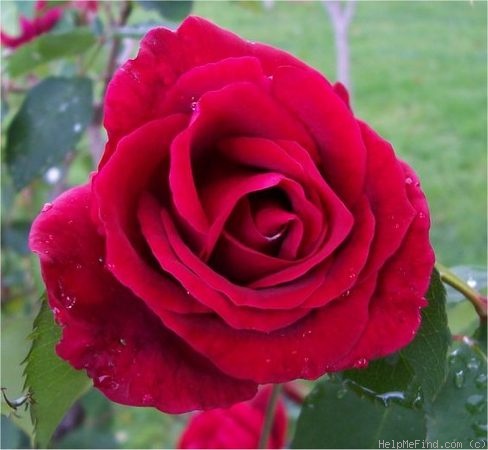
480	429
481	381
69	302
56	311
421	215
475	403
100	260
341	393
52	175
408	180
147	399
46	207
77	127
473	364
459	379
78	266
389	396
346	294
123	342
471	282
361	363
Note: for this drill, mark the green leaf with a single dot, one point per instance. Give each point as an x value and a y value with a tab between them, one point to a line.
427	354
54	384
389	391
15	346
338	416
459	411
48	125
174	10
49	47
422	364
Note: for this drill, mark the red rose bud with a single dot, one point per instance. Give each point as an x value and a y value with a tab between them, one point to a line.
243	228
239	426
43	22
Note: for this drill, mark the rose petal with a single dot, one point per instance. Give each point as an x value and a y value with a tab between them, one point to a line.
131	356
172	254
116	189
310	97
403	282
306	349
386	191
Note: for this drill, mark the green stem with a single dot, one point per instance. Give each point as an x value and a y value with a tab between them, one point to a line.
476	299
269	416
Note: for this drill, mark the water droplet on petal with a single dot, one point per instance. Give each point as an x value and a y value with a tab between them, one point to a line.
78	266
147	399
361	363
193	106
408	180
421	215
123	342
459	379
69	302
46	207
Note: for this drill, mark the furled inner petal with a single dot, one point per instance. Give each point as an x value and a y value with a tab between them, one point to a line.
207	286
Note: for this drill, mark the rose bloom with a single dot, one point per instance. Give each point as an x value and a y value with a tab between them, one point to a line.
239	426
242	228
45	19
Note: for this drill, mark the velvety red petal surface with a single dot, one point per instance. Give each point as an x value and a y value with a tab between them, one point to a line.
306	349
131	356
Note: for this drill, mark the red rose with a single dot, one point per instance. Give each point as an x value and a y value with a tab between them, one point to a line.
243	228
45	19
239	426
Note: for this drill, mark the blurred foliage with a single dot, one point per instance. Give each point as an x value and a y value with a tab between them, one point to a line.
419	77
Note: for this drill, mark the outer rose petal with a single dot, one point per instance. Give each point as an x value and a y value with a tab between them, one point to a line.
310	97
395	307
131	356
306	349
141	84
